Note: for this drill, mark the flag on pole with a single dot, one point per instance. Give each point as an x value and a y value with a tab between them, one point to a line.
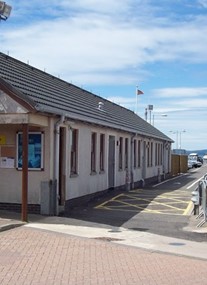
139	92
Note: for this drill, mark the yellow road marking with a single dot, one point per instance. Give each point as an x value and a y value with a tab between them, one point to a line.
153	201
128	204
159	198
114	198
143	210
140	206
124	202
187	210
174	199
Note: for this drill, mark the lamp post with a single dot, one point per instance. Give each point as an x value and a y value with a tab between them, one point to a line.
178	137
150	108
5	11
153	118
183	131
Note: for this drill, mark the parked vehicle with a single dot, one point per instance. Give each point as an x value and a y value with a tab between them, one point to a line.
205	158
192	163
200	159
195	160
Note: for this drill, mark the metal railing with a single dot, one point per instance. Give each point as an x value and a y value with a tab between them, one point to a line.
200	201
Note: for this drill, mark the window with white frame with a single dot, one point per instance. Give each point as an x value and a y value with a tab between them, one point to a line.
151	153
148	154
158	154
139	153
135	153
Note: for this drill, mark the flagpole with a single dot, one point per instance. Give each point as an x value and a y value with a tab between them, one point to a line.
136	99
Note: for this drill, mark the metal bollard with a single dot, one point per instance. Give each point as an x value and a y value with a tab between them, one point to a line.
195	199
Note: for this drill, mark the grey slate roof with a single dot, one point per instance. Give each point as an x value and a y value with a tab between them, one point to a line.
50	94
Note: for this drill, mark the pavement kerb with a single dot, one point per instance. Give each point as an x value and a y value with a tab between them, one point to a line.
11	225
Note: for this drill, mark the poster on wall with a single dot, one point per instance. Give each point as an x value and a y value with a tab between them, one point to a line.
6	162
35	151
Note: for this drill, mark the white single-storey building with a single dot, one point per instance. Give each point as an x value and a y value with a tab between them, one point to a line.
75	143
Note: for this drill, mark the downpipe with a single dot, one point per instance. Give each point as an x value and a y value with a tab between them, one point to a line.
57	164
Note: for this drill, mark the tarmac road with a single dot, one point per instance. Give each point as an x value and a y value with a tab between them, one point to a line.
163	209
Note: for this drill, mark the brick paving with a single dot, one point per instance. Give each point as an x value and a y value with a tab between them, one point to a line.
37	257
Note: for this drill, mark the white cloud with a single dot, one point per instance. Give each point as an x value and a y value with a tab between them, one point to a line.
180	92
203	3
90	42
96	41
173	100
101	6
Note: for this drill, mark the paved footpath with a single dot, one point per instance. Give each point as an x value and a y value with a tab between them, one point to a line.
34	256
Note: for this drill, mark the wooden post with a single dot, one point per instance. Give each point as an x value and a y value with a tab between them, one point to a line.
24	172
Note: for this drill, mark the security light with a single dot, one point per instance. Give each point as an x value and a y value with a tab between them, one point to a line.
5	11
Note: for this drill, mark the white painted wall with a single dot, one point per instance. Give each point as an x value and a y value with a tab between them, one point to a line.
84	183
11	178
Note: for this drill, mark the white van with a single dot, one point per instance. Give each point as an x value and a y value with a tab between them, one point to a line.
195	160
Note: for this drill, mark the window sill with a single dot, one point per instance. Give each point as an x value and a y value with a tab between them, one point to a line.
73	175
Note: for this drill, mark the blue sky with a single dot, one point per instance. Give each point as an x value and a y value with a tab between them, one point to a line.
110	47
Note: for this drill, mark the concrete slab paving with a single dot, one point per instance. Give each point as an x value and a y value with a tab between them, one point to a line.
119	235
43	257
124	236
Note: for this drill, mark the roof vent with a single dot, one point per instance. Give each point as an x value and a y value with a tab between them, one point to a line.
101	106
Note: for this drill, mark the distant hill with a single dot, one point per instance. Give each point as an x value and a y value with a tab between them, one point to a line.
200	152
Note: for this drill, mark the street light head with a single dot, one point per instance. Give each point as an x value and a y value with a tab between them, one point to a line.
150	107
5	11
